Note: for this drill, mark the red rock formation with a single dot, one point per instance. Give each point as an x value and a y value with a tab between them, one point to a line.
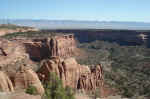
62	46
91	79
12	56
5	83
26	77
11	51
34	49
72	74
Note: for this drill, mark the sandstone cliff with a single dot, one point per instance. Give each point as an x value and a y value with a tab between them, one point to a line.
12	57
5	83
11	51
62	46
26	77
72	74
57	51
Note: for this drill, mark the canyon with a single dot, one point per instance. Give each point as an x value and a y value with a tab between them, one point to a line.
56	55
122	37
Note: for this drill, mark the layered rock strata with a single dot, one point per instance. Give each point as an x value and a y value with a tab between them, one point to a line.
62	46
5	83
26	77
72	74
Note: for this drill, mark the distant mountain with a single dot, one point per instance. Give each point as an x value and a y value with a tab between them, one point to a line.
74	24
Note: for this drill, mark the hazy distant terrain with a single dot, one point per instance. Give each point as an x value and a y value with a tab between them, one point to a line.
75	24
11	28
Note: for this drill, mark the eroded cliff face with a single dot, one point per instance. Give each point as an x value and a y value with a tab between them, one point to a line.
62	46
57	51
11	51
15	53
72	74
22	79
26	77
12	57
5	83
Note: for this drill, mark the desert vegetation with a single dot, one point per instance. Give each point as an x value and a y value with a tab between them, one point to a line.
126	68
12	26
54	89
31	34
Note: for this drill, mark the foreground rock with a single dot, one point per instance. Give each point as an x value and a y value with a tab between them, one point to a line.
12	56
82	96
26	77
72	74
5	83
19	95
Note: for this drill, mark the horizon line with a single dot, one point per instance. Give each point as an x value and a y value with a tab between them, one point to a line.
72	20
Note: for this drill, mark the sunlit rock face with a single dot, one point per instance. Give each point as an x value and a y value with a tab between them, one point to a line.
11	51
72	74
62	46
26	77
5	83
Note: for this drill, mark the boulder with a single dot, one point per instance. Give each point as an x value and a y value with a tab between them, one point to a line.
5	83
26	77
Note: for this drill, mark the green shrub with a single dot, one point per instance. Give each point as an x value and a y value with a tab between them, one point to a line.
31	90
54	89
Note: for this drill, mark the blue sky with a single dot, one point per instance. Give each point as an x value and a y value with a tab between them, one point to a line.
101	10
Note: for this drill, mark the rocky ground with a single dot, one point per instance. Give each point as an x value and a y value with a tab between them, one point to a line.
19	95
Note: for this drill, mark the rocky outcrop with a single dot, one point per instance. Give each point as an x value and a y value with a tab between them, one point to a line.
72	74
18	95
62	46
67	70
11	51
5	83
90	78
12	56
26	77
35	50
